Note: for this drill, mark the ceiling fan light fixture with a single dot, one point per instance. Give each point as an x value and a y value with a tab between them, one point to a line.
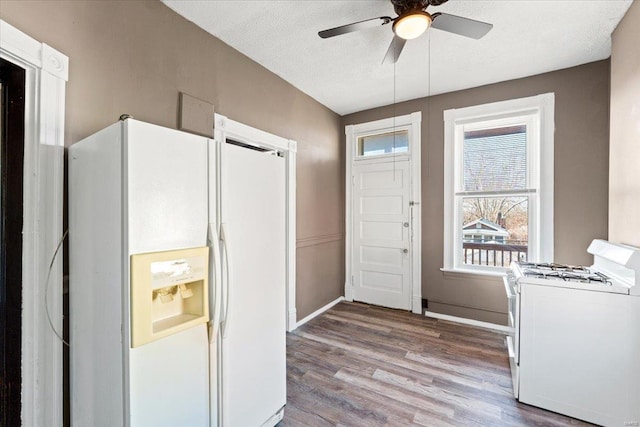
412	24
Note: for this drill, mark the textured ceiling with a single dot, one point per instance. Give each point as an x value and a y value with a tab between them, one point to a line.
346	74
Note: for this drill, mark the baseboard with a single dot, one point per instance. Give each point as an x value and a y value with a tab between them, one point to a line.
470	322
319	311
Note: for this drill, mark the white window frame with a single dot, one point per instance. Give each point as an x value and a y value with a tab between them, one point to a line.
411	122
46	73
538	114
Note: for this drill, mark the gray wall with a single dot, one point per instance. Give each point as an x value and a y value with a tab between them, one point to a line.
581	178
136	56
624	177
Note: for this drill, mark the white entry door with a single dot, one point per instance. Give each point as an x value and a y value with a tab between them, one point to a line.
381	255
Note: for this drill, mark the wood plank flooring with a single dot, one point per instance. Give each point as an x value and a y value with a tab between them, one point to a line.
359	365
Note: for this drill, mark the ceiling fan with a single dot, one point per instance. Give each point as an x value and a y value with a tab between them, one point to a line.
413	20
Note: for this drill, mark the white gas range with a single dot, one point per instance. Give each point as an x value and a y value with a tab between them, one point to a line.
574	346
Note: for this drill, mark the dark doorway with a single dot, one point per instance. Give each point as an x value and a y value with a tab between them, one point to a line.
12	92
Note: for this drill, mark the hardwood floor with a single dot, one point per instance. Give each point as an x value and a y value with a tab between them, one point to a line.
359	365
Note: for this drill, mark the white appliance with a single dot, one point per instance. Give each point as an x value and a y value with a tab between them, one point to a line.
574	346
137	191
252	333
138	278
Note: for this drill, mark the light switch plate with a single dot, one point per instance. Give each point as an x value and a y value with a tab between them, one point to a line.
196	115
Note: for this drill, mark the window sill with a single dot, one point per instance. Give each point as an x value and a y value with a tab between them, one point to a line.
472	272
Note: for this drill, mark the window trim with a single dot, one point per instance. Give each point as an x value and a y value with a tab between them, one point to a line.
540	176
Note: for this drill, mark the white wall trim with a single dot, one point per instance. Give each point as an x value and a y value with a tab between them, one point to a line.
46	76
470	322
227	128
319	311
348	273
416	211
413	122
250	135
416	304
291	236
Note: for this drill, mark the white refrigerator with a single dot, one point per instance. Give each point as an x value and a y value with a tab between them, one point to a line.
177	280
138	278
249	212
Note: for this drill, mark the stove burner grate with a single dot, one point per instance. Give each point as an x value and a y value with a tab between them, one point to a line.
576	275
556	267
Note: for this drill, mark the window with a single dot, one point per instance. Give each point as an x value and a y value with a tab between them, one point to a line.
384	143
499	184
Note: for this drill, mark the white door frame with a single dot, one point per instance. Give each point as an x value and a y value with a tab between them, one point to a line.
413	123
46	75
227	128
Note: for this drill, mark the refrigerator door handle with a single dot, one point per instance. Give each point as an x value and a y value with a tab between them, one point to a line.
214	243
224	237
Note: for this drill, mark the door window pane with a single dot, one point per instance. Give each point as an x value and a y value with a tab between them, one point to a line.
494	230
384	143
495	159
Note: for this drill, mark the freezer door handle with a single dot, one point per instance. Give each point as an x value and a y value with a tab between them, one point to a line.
214	243
224	237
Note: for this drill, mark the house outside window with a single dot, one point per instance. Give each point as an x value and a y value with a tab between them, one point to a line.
481	230
499	184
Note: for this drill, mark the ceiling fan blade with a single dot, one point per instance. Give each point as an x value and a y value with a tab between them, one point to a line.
394	51
459	25
356	26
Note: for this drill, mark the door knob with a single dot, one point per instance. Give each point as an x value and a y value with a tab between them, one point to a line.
406	251
406	224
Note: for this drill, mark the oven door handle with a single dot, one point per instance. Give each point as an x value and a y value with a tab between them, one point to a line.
507	287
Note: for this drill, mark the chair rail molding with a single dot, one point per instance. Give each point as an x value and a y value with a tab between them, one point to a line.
319	240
